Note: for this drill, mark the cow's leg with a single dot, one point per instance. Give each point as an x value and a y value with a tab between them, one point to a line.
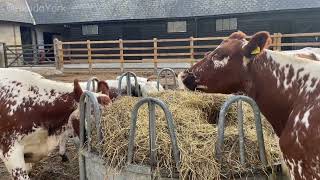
29	167
63	147
14	161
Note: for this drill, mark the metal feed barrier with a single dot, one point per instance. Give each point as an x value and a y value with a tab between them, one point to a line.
93	167
87	101
221	126
152	102
166	70
92	81
128	75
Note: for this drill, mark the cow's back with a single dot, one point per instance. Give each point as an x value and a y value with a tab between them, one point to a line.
29	101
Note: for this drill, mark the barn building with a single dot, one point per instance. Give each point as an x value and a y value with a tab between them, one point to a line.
39	21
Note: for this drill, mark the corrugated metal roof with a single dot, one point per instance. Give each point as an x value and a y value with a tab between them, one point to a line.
70	11
16	11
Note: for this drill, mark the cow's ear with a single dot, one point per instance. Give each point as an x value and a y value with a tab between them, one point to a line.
77	90
258	42
103	87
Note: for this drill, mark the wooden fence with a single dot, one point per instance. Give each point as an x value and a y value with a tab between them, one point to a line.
155	51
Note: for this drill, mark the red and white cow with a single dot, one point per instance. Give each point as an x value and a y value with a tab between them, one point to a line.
34	115
286	89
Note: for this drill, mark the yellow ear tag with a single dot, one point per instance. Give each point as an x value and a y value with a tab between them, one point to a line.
256	51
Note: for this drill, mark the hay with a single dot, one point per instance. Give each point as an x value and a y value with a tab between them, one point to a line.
194	115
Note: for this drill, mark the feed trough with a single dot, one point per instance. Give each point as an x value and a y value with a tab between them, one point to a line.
94	167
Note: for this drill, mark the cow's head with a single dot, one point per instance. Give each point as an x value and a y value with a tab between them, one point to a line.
225	70
102	98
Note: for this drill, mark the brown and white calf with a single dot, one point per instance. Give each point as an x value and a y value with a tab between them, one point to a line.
34	115
286	89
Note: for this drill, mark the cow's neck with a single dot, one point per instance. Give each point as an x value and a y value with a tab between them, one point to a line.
275	84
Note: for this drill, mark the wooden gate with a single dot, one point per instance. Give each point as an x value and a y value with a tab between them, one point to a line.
29	55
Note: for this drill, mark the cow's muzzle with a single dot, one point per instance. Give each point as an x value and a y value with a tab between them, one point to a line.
187	81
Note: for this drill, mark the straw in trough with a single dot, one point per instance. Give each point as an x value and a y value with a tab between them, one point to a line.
194	117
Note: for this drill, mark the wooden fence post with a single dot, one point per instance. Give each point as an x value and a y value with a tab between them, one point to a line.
56	52
155	54
279	41
59	51
89	56
191	50
2	55
121	55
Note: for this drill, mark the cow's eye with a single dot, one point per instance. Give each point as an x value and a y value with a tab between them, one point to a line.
218	56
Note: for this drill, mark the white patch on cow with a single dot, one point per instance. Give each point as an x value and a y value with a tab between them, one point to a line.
1	155
220	64
296	119
21	93
244	43
310	68
309	51
150	87
297	139
202	87
29	167
245	61
305	119
300	168
14	160
132	80
39	143
180	83
291	168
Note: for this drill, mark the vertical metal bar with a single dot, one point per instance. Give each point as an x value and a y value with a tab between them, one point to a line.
128	84
262	150
166	80
94	86
88	120
241	133
82	140
152	134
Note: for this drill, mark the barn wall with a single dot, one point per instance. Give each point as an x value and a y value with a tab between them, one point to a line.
10	33
297	21
130	30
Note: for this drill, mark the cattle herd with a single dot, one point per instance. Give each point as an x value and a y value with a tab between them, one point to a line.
38	115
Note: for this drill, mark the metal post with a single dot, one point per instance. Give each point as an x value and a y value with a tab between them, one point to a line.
152	132
241	133
87	100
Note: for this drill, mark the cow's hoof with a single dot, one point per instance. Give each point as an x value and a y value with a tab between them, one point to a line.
64	158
